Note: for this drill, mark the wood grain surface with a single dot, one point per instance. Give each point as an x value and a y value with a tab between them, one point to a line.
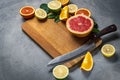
53	37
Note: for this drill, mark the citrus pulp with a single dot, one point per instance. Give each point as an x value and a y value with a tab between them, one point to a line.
55	5
87	63
108	50
84	11
80	25
64	13
27	12
40	13
64	2
72	8
60	72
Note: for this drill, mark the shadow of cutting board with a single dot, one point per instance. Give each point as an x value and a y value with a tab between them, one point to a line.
52	37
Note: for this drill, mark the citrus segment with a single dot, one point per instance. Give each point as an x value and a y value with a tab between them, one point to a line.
64	13
108	50
60	72
87	63
40	13
27	12
72	8
64	2
80	25
55	5
84	11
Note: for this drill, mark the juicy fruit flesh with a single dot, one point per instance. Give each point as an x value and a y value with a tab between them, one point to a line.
60	71
64	13
87	63
64	2
40	13
108	50
83	12
27	10
72	8
82	25
54	4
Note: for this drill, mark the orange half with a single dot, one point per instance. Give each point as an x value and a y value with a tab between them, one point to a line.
84	11
87	63
27	12
64	2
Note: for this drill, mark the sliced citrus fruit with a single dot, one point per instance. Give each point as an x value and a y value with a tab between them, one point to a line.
80	25
60	72
87	63
54	5
84	11
108	50
64	2
64	13
27	12
40	13
72	8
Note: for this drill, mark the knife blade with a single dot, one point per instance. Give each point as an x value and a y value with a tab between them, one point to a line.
89	46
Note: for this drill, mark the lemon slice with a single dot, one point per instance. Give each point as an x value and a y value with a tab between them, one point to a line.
55	5
40	13
60	72
108	50
72	8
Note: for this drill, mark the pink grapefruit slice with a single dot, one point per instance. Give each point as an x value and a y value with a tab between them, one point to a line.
80	25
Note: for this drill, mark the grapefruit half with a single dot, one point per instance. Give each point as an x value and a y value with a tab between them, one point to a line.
80	25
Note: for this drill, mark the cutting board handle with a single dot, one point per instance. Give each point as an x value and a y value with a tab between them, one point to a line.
105	31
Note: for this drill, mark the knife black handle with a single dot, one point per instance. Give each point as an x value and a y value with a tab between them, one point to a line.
104	31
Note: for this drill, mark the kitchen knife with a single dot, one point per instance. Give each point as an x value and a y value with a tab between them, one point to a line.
89	46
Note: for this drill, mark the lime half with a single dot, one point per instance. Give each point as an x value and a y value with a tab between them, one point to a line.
40	13
108	50
60	72
55	5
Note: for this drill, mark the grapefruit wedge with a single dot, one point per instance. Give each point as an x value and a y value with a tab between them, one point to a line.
80	25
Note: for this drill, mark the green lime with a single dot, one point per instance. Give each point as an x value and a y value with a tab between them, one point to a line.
55	5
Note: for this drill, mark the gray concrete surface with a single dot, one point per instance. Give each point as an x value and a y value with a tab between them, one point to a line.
23	59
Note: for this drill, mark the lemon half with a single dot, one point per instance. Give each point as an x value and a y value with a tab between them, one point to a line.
108	50
60	72
72	8
40	13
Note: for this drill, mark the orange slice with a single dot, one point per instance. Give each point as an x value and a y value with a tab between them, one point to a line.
64	2
64	13
87	63
27	12
84	11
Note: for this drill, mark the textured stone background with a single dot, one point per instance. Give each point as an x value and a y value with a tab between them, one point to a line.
23	59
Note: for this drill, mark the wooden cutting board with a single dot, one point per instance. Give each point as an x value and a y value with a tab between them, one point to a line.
53	37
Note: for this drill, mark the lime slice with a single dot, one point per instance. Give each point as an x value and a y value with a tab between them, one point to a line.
40	13
72	8
108	50
60	72
55	5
